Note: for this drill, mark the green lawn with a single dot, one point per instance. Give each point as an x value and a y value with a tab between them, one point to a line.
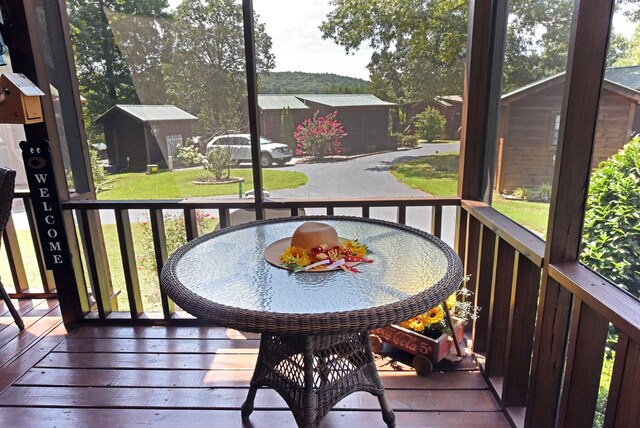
179	184
438	176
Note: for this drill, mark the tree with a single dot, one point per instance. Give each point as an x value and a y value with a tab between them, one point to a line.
287	128
103	75
419	45
206	72
632	55
429	124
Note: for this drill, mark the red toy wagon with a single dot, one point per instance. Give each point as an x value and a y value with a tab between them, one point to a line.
426	351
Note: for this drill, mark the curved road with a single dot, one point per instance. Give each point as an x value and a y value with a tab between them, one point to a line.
363	177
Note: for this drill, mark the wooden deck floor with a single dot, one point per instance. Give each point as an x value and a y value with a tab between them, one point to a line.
192	377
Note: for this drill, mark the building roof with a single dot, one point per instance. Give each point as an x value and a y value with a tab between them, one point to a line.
625	76
150	113
278	102
547	82
24	85
344	100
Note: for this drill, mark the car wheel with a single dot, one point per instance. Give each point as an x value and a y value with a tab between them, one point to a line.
266	160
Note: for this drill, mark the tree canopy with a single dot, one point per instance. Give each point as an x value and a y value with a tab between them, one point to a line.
420	45
134	51
103	75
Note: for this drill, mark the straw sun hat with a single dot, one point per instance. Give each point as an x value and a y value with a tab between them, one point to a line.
307	236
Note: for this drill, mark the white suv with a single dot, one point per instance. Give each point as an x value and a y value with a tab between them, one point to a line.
240	148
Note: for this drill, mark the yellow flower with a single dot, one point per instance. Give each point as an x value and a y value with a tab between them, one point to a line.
414	324
451	302
296	256
357	249
434	316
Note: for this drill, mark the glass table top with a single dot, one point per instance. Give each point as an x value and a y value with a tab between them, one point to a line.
229	269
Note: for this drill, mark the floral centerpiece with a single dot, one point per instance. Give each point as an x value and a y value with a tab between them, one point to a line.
428	336
316	247
433	323
321	257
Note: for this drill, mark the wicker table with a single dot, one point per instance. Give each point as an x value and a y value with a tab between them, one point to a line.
314	348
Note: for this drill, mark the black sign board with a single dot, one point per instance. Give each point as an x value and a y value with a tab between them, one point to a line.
46	205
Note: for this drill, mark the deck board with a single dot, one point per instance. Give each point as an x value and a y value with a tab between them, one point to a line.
191	376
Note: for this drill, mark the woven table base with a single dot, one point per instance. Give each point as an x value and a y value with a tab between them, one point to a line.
313	373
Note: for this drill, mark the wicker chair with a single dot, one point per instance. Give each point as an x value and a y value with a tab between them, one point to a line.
7	183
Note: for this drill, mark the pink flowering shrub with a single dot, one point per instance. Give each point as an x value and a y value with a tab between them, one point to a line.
319	136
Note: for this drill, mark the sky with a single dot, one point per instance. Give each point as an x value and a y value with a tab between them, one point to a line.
298	45
297	40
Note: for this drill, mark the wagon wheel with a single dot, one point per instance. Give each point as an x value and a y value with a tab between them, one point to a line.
376	343
423	365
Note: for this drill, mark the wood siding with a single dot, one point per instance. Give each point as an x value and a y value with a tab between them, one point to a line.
271	122
528	155
367	127
126	136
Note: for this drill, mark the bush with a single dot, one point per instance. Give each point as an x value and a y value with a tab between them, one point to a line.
218	161
319	136
287	129
611	234
429	124
97	170
541	193
175	233
407	140
188	156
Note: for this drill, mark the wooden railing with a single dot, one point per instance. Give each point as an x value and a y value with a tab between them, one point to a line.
505	263
98	272
17	250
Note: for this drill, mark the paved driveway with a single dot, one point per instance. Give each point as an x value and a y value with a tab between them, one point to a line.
363	177
368	177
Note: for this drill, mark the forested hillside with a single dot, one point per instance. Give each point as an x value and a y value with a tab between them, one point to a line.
296	82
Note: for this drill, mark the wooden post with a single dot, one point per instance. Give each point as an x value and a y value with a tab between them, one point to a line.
585	72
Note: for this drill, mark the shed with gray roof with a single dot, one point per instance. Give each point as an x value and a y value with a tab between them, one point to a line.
138	135
364	117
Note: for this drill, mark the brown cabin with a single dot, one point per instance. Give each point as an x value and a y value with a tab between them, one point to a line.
138	135
365	117
529	124
272	106
449	106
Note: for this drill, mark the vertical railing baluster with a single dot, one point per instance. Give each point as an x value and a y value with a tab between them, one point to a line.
97	277
483	292
526	287
45	275
330	210
225	220
190	223
501	291
585	353
471	256
436	220
365	211
402	214
129	266
160	249
14	256
622	404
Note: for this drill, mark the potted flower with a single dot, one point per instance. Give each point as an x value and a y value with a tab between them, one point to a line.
428	336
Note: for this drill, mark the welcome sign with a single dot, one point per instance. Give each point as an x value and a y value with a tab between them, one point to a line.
46	205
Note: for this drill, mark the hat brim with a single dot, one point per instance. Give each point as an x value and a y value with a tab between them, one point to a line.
273	252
